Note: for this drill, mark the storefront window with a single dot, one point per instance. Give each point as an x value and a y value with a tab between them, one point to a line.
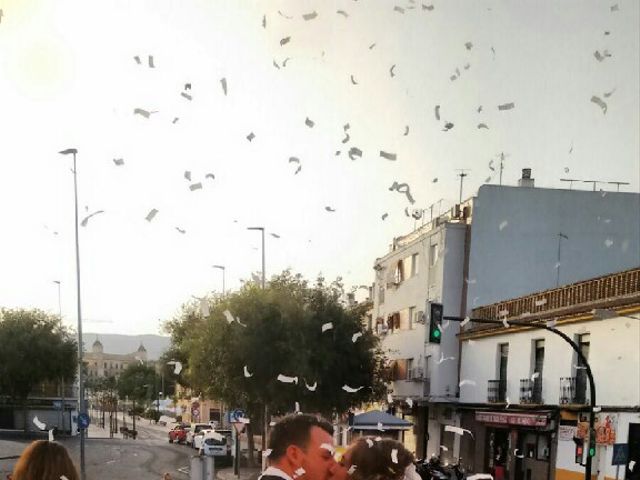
543	447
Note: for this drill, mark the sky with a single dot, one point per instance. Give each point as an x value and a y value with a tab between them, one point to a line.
69	79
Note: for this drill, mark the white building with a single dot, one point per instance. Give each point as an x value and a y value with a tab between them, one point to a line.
425	265
530	395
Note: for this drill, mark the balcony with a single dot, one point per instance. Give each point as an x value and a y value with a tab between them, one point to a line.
415	374
531	391
497	391
573	390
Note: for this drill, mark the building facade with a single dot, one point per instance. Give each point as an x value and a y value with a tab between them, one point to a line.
101	364
529	394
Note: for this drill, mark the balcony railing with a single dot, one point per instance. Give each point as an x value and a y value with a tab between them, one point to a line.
573	390
531	391
497	391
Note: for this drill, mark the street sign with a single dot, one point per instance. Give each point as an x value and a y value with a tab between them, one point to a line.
236	415
83	421
620	454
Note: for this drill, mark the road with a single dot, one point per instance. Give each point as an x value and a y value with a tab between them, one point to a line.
148	457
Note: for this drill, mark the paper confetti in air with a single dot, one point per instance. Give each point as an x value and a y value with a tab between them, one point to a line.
465	321
299	472
506	106
503	224
505	323
608	242
349	389
39	424
388	156
352	468
409	402
285	379
380	427
394	455
632	464
355	337
552	323
297	407
229	316
311	388
267	452
535	375
177	366
370	442
327	326
272	424
457	430
515	453
247	374
444	448
541	302
467	382
51	435
195	186
389	398
152	213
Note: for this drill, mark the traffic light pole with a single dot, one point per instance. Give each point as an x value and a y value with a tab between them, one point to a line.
583	360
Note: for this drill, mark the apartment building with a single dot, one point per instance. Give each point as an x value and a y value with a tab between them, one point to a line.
524	391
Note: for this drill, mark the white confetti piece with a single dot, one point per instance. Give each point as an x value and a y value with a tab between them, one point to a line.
377	439
152	213
311	388
502	225
632	464
369	442
195	186
552	323
40	425
508	403
299	472
272	424
353	468
118	161
213	434
505	323
389	398
310	16
541	302
229	317
601	103
51	439
380	427
465	321
177	366
327	326
394	455
444	448
608	242
535	375
244	420
467	382
457	430
329	448
597	409
85	220
349	389
388	156
355	337
297	407
267	452
506	106
247	374
444	359
515	453
409	402
285	379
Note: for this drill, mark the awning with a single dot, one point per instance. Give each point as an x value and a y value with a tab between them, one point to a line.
375	419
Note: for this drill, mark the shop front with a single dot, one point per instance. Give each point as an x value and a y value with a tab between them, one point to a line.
517	446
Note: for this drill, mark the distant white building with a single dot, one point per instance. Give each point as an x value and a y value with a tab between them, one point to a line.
101	364
527	394
425	265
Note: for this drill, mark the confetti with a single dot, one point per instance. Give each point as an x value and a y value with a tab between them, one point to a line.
608	94
327	326
444	359
505	323
352	469
448	126
151	64
251	136
152	213
311	388
355	337
247	374
467	382
515	453
51	439
437	112
137	59
353	80
369	441
394	455
502	225
391	71
384	216
465	321
539	303
210	175
483	125
389	398
506	106
457	430
142	112
380	427
427	7
297	407
195	186
349	389
177	366
223	83
468	45
118	161
267	452
310	16
175	120
355	152
299	472
552	323
309	123
85	220
632	464
535	375
403	188
608	242
285	379
388	156
284	41
343	13
601	56
444	448
409	402
597	409
398	9
40	425
186	95
272	424
598	101
330	209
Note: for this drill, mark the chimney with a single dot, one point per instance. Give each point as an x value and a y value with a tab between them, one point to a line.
526	180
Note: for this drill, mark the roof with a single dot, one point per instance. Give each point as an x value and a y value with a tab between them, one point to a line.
371	420
141	348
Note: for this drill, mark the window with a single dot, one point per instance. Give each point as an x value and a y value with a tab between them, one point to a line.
538	360
381	294
105	365
393	321
504	357
433	254
412	313
543	451
414	264
399	274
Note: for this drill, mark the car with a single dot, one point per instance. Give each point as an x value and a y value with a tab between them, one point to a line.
194	430
178	434
198	438
217	446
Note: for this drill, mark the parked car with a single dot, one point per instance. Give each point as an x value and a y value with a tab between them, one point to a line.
195	429
178	434
198	438
218	446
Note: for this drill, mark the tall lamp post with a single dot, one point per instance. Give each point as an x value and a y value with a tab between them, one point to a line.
265	425
221	267
582	359
61	423
81	405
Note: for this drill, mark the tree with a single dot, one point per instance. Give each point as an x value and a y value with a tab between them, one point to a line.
279	331
35	349
138	382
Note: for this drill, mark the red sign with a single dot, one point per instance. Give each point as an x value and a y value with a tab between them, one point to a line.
521	419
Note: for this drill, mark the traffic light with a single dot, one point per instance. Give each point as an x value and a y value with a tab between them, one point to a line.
592	442
579	449
435	321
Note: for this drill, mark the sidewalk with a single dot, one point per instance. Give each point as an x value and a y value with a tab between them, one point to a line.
245	474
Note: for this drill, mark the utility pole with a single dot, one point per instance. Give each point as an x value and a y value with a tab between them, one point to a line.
462	174
61	423
502	157
560	237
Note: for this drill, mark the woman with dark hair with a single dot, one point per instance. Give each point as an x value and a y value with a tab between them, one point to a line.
44	460
375	458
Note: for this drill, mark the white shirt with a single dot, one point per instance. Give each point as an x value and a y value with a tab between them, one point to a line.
276	472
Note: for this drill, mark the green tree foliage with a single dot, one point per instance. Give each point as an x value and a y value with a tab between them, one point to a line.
33	348
280	332
139	383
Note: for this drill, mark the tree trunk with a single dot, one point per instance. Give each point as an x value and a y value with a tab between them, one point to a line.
251	444
24	414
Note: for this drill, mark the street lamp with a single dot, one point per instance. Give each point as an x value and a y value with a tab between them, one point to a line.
62	376
221	267
582	361
81	405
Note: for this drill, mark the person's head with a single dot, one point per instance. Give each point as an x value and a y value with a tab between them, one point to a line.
43	460
303	441
371	459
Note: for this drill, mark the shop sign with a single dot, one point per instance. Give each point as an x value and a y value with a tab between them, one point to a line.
567	432
516	419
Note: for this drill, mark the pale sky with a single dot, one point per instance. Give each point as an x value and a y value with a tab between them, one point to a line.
68	78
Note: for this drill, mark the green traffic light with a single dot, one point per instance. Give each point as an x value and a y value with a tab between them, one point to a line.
436	334
592	452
